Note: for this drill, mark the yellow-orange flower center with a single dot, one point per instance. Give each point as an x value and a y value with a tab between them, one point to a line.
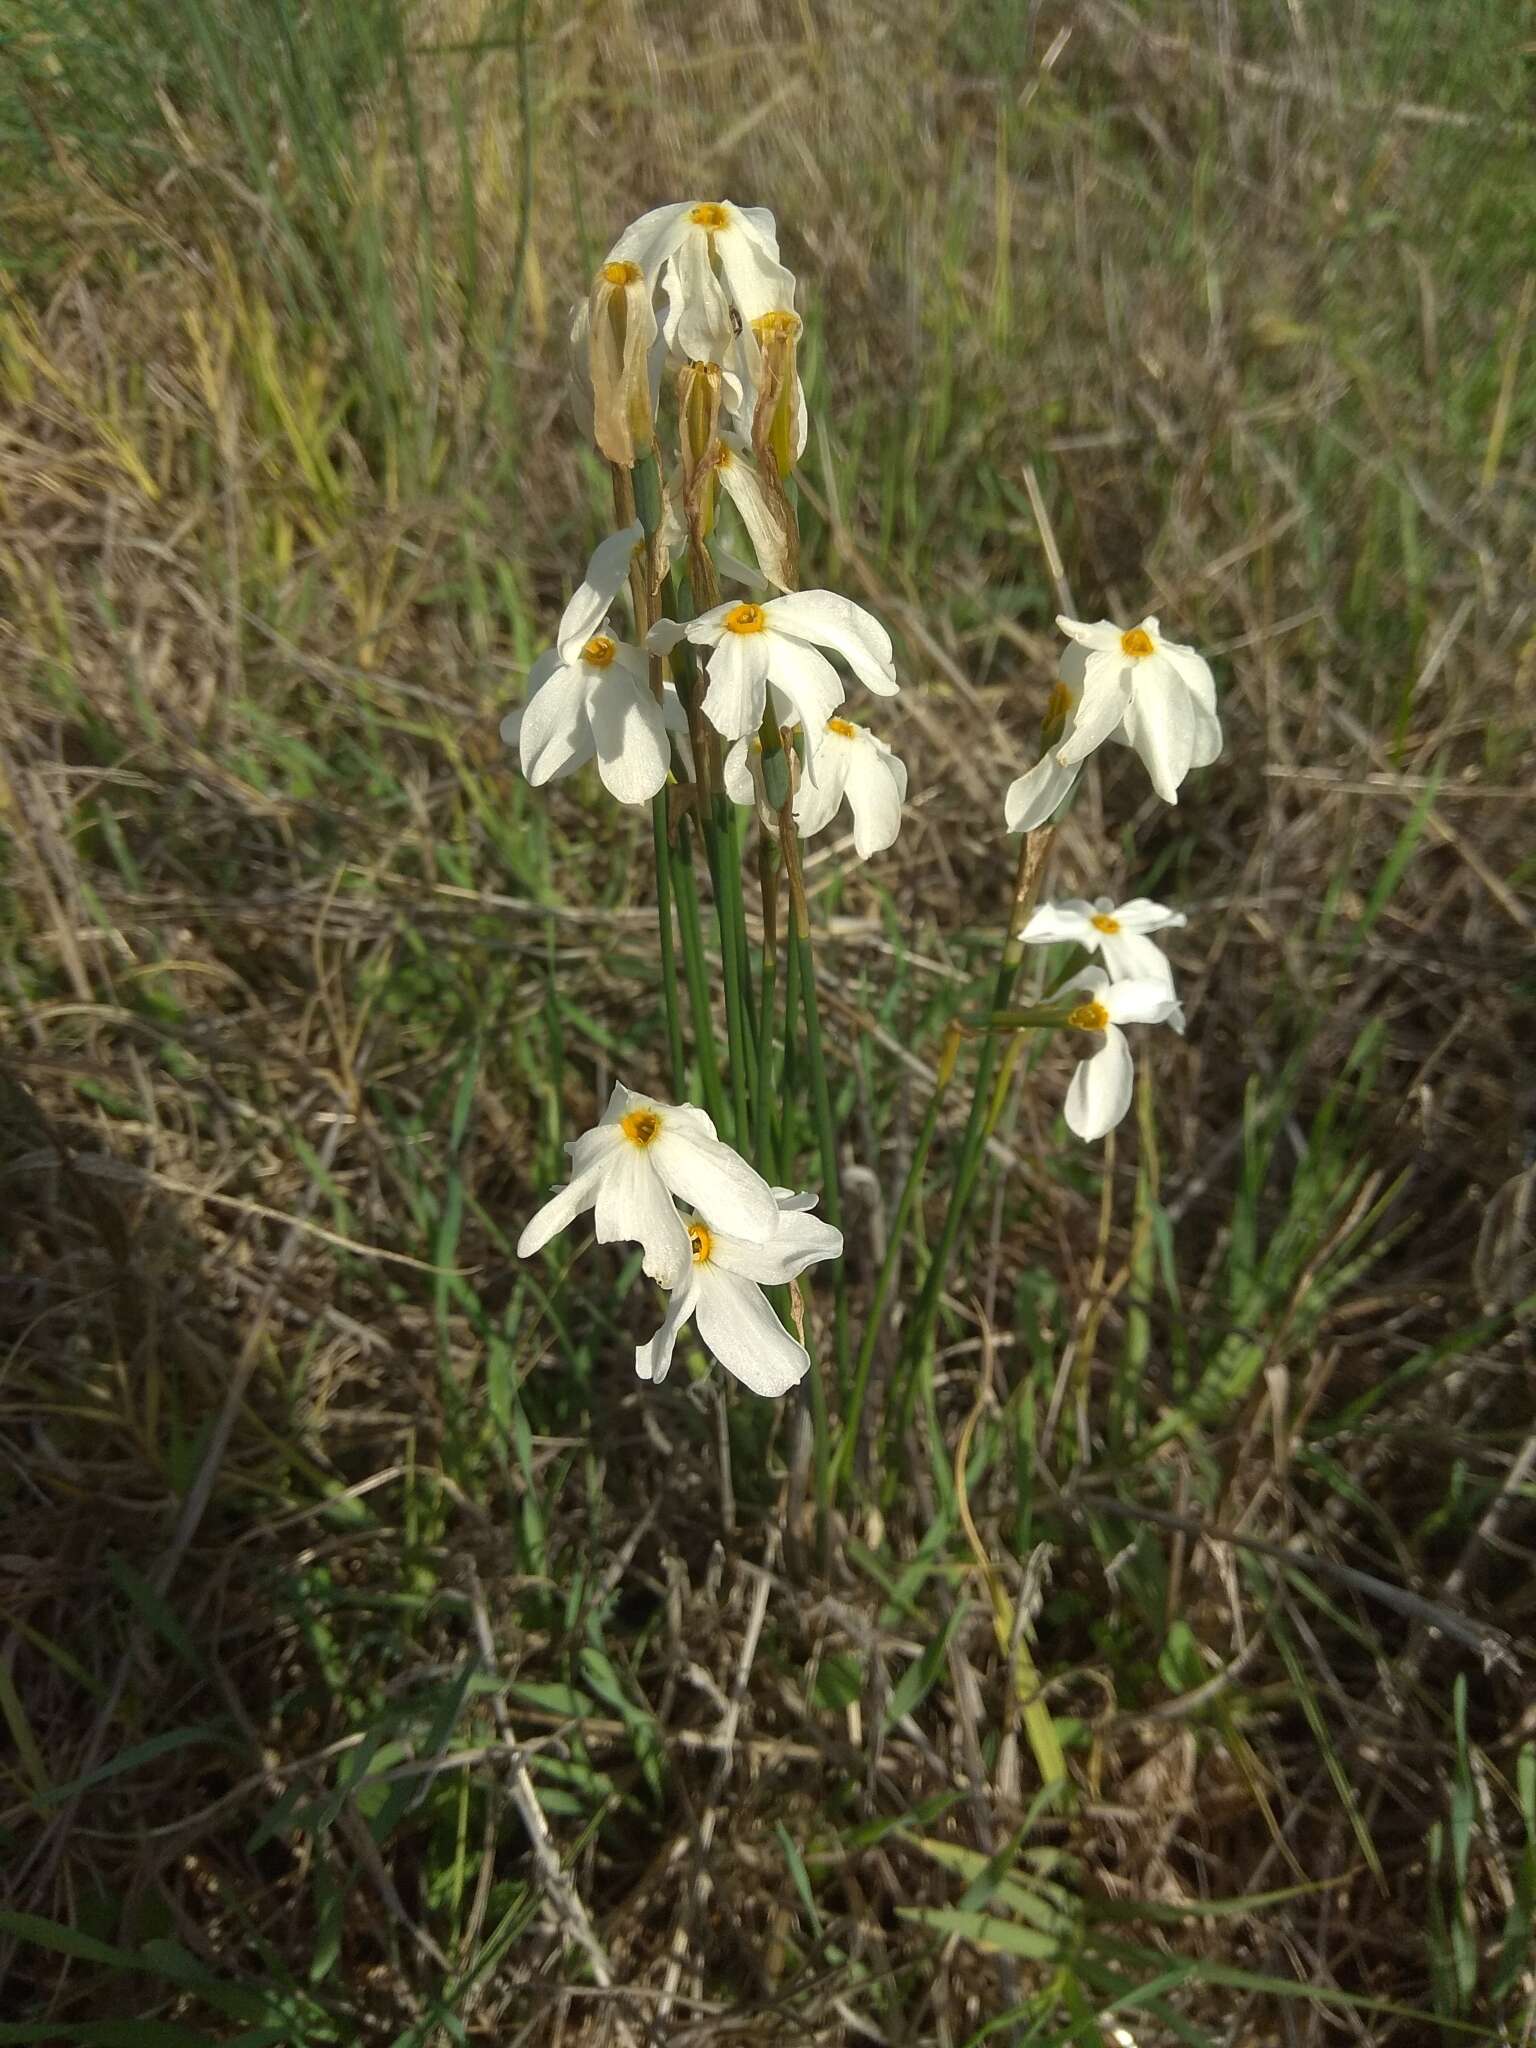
1103	923
1088	1016
599	651
745	618
842	728
710	215
642	1127
700	1239
621	273
773	326
1136	645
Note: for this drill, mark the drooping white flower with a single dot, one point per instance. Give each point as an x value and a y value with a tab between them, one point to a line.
629	1167
1117	932
590	693
849	761
722	1290
1100	1090
1039	793
1156	694
714	259
778	642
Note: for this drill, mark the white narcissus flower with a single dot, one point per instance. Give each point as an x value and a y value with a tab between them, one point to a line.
1156	694
1100	1090
590	693
778	642
723	1291
1039	793
847	760
629	1166
1117	932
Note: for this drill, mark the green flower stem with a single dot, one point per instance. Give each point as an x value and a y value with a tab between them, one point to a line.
789	1067
918	1344
694	972
725	865
853	1413
668	944
763	1128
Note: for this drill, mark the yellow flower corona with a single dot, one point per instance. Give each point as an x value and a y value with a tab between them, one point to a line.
1101	922
700	1238
642	1127
1136	645
1088	1017
745	618
711	215
599	651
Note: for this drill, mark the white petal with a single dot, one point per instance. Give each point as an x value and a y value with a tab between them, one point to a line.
1195	670
633	754
818	798
873	801
738	474
653	1361
845	627
1104	634
1106	693
633	1207
698	323
607	574
759	225
1038	794
1207	746
665	634
1164	729
1141	914
738	684
807	678
563	1207
1070	920
1139	1002
1133	957
727	1193
650	240
736	773
1087	983
1100	1091
801	1240
758	283
547	664
553	736
746	1336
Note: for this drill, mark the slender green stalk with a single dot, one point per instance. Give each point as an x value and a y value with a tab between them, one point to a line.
853	1412
668	944
694	973
725	868
789	1067
763	1127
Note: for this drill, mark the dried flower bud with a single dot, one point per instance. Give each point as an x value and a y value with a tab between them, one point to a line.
773	418
621	326
698	425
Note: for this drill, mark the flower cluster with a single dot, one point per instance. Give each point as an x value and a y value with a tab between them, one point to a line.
631	1169
1159	697
693	299
690	656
